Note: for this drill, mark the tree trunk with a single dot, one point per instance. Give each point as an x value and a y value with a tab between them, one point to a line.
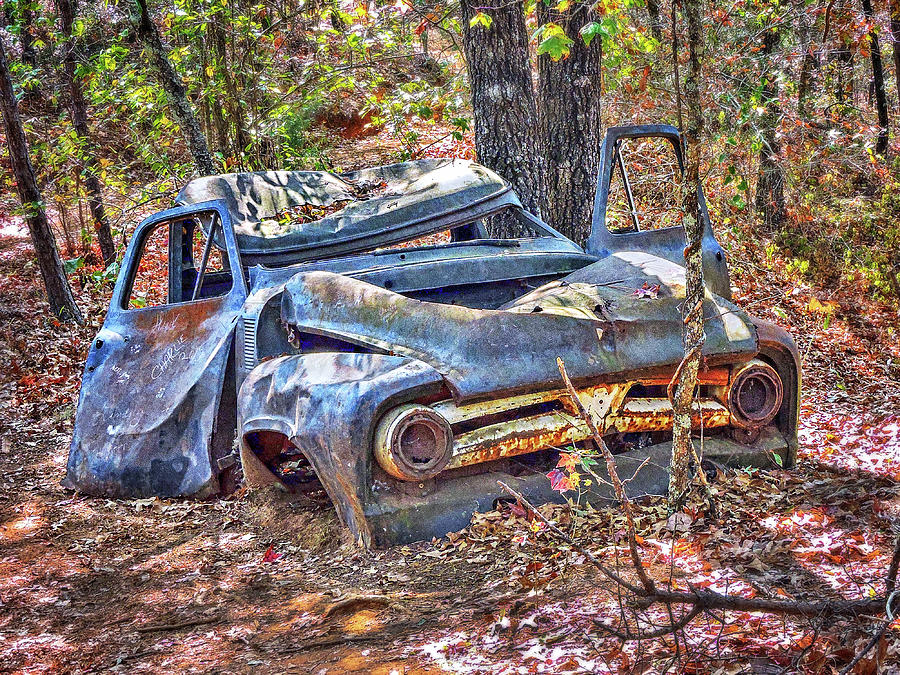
895	40
569	94
25	22
233	98
503	101
653	11
178	101
770	205
881	143
29	54
59	293
88	156
692	310
809	63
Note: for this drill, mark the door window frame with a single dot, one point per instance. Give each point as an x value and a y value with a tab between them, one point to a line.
174	218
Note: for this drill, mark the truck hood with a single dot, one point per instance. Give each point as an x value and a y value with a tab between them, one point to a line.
616	317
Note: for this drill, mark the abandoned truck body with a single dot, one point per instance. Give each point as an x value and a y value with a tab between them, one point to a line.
364	334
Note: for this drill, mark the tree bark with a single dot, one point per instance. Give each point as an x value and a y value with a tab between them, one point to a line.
693	337
67	10
809	63
653	11
233	100
569	96
59	293
770	205
503	100
895	40
881	105
178	101
29	54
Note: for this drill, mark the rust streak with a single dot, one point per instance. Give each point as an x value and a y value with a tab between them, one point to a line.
538	432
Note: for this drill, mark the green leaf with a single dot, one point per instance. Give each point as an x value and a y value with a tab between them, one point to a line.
591	30
481	19
554	41
73	265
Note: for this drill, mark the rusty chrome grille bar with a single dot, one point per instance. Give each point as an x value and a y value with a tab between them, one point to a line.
559	428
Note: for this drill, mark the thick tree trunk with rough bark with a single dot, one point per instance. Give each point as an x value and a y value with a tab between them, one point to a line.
881	105
178	101
770	205
503	100
692	310
59	293
569	97
67	9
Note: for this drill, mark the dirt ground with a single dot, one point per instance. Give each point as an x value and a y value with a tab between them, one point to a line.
259	582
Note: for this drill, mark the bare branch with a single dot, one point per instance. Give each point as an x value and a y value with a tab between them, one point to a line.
562	536
621	495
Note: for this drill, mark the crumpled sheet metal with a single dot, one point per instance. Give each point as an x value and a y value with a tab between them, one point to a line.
331	421
328	404
484	353
401	194
149	401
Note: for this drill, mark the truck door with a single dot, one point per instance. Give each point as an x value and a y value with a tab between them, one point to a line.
153	381
637	206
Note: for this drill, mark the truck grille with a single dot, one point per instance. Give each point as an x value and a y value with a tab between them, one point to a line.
249	351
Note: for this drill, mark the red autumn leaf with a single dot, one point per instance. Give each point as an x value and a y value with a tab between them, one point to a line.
270	556
559	481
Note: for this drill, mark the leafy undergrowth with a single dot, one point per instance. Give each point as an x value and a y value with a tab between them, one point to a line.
228	585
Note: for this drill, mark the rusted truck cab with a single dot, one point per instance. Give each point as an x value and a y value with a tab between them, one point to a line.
391	335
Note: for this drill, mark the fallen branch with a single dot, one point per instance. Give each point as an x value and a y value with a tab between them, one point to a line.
562	536
153	628
711	599
660	632
621	495
331	642
893	597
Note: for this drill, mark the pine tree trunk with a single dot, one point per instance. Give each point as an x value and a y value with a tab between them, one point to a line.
178	101
59	293
569	95
503	100
653	11
881	143
693	336
770	206
67	10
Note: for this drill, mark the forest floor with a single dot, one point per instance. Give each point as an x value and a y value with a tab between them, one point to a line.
259	582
